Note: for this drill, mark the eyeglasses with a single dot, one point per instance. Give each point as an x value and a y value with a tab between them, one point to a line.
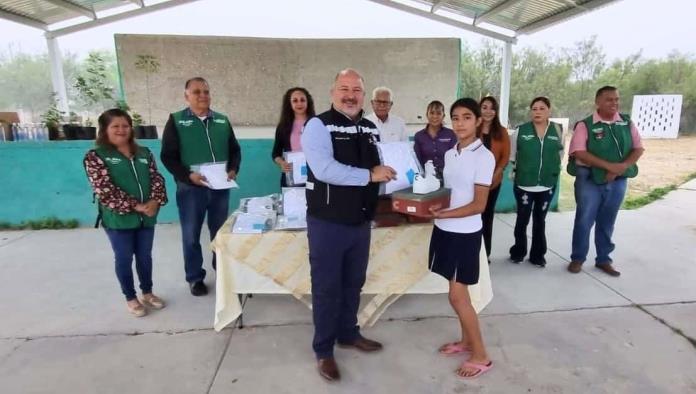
381	102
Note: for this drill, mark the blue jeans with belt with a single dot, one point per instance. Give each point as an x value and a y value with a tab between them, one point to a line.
125	244
596	205
193	203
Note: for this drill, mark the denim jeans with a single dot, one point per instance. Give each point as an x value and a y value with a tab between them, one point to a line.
125	244
338	255
596	205
193	203
535	205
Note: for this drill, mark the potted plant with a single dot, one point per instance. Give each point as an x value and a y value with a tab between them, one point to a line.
87	131
71	129
139	131
52	118
149	65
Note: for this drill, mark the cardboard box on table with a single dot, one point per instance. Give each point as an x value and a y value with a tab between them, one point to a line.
405	201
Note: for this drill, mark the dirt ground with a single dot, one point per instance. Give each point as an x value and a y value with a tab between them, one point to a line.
665	162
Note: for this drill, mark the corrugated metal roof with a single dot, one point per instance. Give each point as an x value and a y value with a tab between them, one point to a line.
515	16
48	12
483	16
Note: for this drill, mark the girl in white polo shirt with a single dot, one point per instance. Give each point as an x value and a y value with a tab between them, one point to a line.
456	240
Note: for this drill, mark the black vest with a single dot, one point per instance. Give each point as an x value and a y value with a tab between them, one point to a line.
353	145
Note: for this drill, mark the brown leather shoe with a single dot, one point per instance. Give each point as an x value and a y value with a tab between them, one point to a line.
575	267
363	344
608	269
328	369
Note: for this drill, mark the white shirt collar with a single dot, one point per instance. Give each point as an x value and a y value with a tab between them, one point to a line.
471	147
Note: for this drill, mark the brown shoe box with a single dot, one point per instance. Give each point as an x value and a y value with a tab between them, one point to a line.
409	203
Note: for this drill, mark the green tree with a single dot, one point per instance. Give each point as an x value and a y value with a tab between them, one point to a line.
480	70
95	88
149	65
588	61
538	73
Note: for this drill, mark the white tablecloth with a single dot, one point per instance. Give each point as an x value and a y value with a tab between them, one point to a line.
277	263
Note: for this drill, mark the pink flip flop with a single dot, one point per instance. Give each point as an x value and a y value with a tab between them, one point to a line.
480	369
453	348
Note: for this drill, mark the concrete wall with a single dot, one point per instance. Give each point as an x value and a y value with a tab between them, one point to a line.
248	76
43	179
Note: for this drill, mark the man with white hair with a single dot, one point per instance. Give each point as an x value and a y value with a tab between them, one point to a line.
391	127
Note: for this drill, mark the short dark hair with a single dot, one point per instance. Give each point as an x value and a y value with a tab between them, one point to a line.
468	103
543	99
603	89
194	79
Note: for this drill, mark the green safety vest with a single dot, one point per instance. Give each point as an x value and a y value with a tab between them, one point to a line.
200	142
133	177
538	164
611	142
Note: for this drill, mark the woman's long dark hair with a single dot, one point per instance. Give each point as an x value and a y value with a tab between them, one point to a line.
287	115
105	120
496	129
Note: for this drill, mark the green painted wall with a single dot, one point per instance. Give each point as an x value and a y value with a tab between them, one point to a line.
43	179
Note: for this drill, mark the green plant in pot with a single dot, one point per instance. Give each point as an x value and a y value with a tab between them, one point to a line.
52	118
72	128
143	132
139	131
149	65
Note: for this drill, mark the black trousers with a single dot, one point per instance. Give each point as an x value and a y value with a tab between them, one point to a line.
487	218
534	205
338	255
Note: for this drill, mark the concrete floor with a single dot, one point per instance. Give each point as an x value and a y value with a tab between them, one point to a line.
65	327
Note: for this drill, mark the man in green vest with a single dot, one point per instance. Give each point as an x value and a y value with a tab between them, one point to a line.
603	153
194	136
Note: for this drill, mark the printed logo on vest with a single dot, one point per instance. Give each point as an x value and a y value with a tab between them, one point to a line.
621	123
143	160
221	121
113	160
553	137
527	137
186	122
364	129
598	133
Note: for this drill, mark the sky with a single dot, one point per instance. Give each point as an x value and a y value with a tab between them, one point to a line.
622	28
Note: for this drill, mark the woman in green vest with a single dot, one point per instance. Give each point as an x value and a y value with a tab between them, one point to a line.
536	150
130	191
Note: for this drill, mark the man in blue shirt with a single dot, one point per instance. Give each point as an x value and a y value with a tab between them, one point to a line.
343	179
